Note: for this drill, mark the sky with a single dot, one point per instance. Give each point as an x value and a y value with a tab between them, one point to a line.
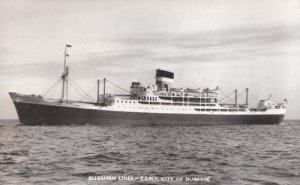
232	44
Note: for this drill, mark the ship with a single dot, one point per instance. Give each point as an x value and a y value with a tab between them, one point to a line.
157	104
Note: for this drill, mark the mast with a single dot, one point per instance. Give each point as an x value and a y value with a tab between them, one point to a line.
67	83
64	76
235	97
104	83
98	86
247	94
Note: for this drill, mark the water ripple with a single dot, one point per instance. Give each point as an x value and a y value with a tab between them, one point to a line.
233	155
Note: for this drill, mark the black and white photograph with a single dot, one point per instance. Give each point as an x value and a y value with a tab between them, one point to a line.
149	92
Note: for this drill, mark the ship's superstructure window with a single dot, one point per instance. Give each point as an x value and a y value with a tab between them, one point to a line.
165	98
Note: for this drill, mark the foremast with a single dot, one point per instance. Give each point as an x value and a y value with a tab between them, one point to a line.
64	76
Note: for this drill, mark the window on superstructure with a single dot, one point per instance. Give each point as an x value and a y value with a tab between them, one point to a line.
165	98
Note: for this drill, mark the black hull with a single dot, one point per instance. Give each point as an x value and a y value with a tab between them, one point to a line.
43	114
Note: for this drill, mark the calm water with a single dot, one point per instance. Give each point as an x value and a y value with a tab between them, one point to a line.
256	154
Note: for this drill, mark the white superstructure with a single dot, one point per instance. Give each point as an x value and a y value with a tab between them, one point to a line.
163	98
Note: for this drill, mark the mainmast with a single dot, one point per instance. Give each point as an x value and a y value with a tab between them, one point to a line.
247	94
235	97
104	86
64	76
98	89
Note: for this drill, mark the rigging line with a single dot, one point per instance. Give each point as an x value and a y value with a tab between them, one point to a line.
82	93
76	89
117	91
72	85
110	88
81	89
222	93
226	96
118	86
238	95
230	100
47	92
114	88
91	91
241	93
234	97
123	89
252	96
72	81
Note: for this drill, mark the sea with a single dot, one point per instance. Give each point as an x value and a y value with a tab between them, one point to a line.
150	155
